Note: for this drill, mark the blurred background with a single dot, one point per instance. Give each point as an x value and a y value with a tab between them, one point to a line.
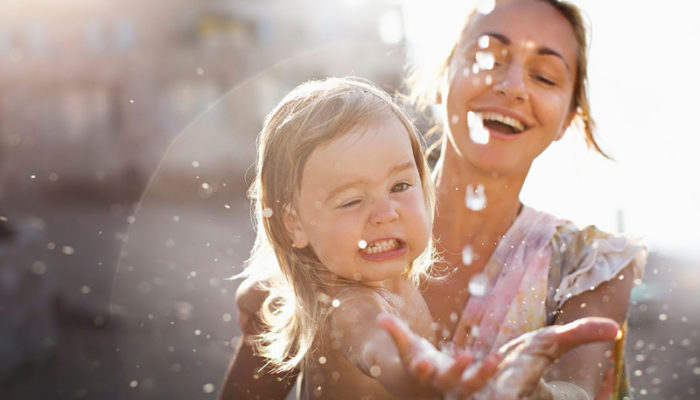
127	133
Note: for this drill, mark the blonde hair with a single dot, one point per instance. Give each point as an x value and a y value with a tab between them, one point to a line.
311	115
424	89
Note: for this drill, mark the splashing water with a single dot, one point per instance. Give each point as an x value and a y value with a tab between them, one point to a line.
477	285
485	59
475	199
208	388
484	42
477	133
485	6
467	255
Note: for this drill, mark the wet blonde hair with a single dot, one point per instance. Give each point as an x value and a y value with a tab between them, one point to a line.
311	115
424	89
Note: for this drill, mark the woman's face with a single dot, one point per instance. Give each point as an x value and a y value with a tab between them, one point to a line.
515	70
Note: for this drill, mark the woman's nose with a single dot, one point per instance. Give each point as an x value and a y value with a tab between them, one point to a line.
383	212
511	83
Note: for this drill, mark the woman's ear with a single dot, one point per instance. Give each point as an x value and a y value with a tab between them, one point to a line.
294	229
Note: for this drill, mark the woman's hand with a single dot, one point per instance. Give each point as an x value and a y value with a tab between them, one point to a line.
526	357
454	375
514	372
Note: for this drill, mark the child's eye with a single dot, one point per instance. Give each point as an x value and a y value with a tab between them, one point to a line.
400	187
349	203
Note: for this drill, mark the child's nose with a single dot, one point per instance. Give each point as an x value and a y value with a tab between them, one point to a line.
384	212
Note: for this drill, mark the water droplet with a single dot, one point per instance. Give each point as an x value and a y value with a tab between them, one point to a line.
485	59
696	370
638	372
131	219
267	212
477	132
454	119
133	383
474	332
453	317
488	80
663	317
32	176
197	332
169	243
67	250
335	303
484	42
195	164
467	255
583	305
38	267
477	285
362	244
475	70
200	71
322	360
176	218
475	199
375	371
357	276
208	388
85	289
131	101
485	6
619	334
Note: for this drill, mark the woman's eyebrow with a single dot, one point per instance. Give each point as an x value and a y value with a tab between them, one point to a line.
544	50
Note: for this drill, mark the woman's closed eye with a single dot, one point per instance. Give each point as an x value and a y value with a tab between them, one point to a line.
544	79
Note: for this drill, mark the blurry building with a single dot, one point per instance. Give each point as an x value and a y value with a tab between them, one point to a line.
91	92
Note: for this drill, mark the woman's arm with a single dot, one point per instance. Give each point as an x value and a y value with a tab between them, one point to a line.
243	379
586	365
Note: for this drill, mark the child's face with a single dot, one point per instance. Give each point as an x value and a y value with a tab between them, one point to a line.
363	189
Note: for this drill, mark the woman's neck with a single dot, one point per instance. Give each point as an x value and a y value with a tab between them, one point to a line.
455	224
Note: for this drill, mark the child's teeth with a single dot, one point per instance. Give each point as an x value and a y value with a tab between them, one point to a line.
382	246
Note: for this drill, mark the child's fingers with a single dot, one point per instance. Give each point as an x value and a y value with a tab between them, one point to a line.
478	376
448	379
399	332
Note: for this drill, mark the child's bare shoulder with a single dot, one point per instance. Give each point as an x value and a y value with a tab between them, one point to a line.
355	306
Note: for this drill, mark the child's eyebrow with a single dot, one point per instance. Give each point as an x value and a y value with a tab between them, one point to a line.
405	165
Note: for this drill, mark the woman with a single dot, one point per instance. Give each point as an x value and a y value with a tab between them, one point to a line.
513	83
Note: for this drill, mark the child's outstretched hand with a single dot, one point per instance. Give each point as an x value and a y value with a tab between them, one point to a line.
457	374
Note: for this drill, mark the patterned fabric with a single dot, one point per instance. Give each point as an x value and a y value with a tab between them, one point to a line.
540	263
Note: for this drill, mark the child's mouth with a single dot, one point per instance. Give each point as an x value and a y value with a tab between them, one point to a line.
382	246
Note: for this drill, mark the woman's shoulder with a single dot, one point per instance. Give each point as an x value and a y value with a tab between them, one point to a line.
584	258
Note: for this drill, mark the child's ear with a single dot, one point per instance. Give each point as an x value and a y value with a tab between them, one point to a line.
294	229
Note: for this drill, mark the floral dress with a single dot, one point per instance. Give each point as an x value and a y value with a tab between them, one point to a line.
540	263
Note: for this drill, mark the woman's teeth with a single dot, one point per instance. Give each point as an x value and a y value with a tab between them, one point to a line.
381	246
506	120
